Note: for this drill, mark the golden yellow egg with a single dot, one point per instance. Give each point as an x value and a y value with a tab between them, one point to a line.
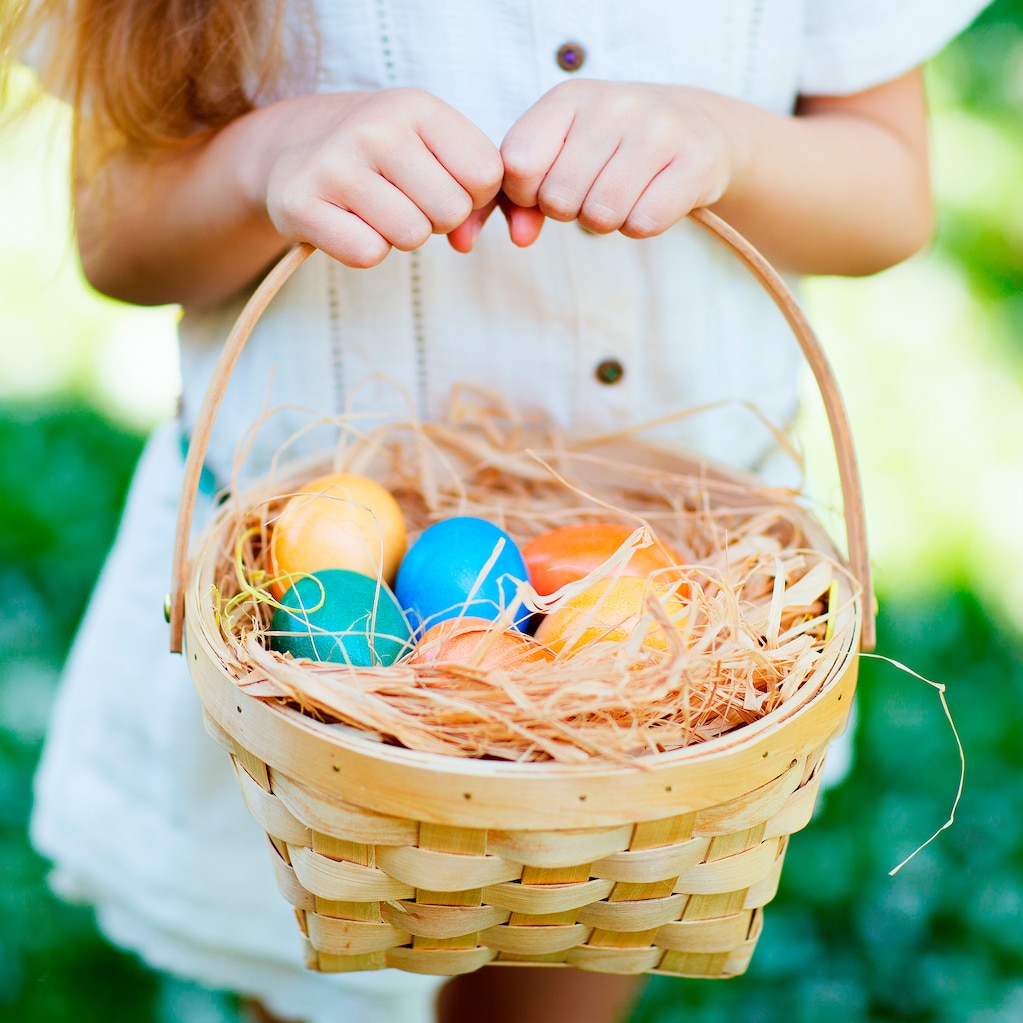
610	611
341	520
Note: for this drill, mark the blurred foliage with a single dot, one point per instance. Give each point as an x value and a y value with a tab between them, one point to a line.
63	472
982	228
939	942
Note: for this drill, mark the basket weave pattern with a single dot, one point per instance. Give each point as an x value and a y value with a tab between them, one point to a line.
680	895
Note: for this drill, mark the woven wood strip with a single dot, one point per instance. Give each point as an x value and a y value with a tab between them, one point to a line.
711	907
633	916
613	960
721	935
442	872
657	834
255	768
515	959
442	921
643	866
269	812
345	882
559	848
343	820
216	733
326	963
367	911
341	849
735	842
698	965
751	809
731	873
797	811
541	899
761	893
534	940
290	886
352	937
440	962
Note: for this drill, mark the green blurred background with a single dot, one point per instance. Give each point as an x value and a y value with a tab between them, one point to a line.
930	355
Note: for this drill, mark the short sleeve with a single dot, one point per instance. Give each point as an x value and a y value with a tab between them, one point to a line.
852	45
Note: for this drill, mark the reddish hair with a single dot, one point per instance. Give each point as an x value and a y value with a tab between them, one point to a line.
148	74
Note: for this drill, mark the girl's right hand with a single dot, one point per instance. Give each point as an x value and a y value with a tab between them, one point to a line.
359	172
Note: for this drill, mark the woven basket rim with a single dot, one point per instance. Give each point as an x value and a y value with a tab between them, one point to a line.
771	731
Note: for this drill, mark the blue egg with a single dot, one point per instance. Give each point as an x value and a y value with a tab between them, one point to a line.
342	616
444	566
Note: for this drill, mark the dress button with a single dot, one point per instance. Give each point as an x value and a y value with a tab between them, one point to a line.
570	56
610	371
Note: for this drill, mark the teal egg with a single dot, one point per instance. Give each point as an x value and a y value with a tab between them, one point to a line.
341	616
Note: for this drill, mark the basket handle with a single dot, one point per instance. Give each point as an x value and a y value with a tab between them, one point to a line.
852	491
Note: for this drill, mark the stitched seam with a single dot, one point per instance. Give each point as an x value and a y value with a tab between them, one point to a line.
336	347
384	27
756	24
418	333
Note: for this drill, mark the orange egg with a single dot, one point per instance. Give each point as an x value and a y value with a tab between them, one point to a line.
473	642
564	555
610	611
341	520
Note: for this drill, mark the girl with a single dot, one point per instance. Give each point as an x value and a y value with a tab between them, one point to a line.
211	136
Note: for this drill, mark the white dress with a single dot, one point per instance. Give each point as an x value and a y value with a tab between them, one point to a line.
135	805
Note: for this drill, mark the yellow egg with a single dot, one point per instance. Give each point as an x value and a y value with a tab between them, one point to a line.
610	611
341	520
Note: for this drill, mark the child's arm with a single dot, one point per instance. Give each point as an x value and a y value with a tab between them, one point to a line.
841	188
197	224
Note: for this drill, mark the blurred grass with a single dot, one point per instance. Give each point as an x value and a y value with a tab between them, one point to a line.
939	431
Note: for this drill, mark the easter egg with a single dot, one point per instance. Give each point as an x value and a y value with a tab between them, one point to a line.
474	643
563	555
341	520
461	567
341	616
610	611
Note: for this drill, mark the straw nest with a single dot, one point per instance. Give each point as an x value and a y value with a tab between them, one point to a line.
762	587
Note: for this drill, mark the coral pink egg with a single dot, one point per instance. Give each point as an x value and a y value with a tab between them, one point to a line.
472	642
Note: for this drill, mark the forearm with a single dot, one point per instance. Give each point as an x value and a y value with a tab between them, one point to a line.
834	190
177	227
353	173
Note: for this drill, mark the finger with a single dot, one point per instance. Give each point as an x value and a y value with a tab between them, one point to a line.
618	188
347	238
524	223
416	172
694	178
584	156
387	209
670	196
464	151
532	145
463	237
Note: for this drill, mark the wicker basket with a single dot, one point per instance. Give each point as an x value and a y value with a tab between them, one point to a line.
440	865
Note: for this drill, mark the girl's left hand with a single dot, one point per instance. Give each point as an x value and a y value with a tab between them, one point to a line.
614	156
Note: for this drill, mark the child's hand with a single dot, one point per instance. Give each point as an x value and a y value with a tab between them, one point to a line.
622	157
357	173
